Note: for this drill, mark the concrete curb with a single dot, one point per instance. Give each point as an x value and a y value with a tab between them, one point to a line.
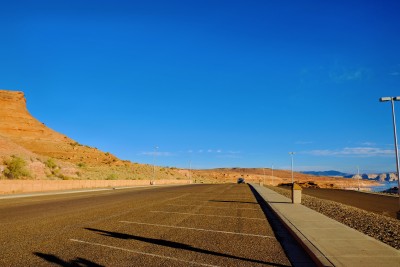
318	258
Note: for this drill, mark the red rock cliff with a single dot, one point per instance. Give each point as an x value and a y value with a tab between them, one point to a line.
19	126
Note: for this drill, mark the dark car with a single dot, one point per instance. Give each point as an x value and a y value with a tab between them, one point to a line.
240	180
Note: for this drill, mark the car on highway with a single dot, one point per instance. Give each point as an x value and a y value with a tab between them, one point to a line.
241	180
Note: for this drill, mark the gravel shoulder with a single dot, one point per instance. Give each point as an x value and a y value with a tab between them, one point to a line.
378	226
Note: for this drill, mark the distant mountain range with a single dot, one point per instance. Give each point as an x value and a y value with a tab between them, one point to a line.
328	173
383	177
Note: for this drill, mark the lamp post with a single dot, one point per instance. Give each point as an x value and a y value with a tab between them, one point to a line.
190	171
264	176
291	154
272	174
392	99
272	170
154	163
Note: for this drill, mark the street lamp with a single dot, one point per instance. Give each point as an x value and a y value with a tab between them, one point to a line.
272	170
272	174
392	99
154	163
291	154
190	171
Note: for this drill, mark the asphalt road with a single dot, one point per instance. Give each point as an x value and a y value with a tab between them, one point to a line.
194	225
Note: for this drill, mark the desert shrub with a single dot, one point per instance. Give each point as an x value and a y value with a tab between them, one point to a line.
81	165
15	168
112	176
50	163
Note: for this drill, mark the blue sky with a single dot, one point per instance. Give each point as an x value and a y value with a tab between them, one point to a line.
218	83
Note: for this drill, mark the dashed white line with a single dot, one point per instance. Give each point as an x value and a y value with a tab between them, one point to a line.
142	253
198	229
210	215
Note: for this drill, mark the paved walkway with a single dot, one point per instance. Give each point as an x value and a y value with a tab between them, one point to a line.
329	242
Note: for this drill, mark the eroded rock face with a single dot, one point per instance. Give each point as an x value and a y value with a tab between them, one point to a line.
18	126
392	177
382	177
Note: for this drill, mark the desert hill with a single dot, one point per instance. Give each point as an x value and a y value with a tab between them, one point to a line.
21	128
52	155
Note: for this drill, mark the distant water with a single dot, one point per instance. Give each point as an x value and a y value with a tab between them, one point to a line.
384	186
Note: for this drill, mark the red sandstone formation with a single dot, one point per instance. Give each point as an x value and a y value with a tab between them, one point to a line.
20	132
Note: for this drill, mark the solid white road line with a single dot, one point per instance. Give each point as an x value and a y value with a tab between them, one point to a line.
198	229
210	215
231	202
212	207
142	253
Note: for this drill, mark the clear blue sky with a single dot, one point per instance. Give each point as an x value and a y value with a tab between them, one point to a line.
220	83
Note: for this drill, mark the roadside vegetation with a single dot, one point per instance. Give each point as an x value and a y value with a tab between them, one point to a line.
16	168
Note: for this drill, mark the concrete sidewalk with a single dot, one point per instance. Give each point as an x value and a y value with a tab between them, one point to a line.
329	242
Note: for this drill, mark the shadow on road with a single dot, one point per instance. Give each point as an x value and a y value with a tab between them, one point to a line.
78	262
177	245
230	201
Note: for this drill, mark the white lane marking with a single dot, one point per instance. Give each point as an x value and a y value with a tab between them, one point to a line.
221	201
177	197
226	198
210	215
142	253
198	229
211	207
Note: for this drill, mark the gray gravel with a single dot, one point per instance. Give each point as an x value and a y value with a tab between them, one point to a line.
380	227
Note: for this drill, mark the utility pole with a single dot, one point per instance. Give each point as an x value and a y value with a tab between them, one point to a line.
291	154
392	99
154	163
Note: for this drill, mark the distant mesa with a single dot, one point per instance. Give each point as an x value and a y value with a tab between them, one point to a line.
331	173
383	177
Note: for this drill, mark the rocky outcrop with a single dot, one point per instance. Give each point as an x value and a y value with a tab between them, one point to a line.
21	131
383	177
392	177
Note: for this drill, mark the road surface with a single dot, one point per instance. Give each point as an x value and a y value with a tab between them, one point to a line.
194	225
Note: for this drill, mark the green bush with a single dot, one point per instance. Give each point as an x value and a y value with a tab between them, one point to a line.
50	163
81	165
15	168
112	176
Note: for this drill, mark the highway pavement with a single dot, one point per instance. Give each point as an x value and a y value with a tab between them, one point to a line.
193	225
